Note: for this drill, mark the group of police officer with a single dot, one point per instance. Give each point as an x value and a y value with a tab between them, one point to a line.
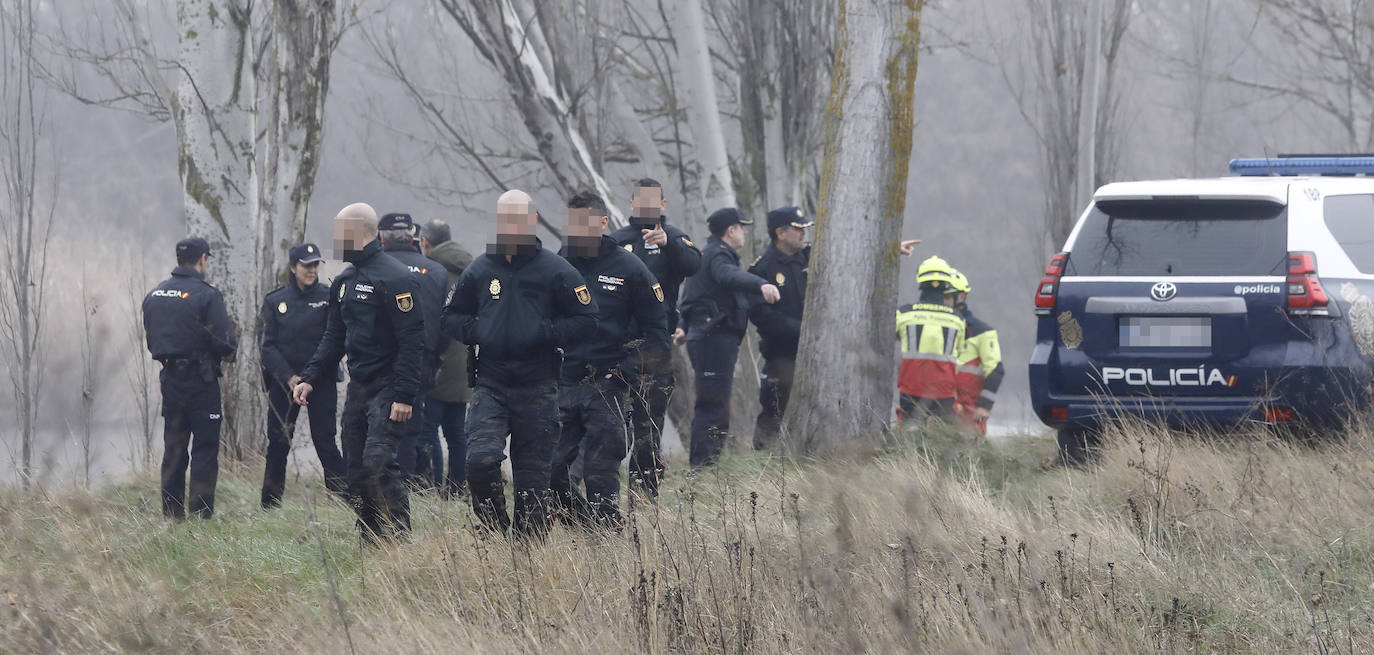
561	355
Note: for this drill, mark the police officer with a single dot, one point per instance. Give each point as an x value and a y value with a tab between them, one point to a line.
398	234
376	319
519	304
188	331
593	393
980	372
784	264
290	325
446	406
715	309
671	257
931	334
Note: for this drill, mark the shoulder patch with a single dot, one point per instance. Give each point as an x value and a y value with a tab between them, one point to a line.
583	296
688	241
629	247
658	291
405	302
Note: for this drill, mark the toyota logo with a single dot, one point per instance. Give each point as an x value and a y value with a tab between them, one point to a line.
1163	291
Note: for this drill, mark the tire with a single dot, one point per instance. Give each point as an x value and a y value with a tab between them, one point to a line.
1077	445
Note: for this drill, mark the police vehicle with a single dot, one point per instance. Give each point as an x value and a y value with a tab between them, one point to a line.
1212	302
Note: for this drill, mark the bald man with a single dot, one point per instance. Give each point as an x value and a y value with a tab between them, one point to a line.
374	318
519	304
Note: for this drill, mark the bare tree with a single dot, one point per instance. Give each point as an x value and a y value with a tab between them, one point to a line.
234	61
25	218
1323	57
848	329
141	377
93	335
1052	69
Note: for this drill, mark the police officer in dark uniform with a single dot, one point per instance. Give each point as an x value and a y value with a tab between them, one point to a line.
784	264
671	257
376	319
397	232
715	309
290	325
593	393
188	331
518	303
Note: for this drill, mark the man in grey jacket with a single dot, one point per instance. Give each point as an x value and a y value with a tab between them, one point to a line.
447	403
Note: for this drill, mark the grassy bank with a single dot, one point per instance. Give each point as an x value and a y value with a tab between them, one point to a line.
1243	544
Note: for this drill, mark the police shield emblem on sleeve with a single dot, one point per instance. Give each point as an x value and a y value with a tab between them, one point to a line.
658	292
405	302
583	296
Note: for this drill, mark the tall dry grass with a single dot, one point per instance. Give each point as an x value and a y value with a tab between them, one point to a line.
1170	543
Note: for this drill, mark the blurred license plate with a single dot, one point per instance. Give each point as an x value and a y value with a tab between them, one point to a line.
1165	332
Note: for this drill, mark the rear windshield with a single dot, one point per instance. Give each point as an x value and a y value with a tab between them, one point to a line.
1182	236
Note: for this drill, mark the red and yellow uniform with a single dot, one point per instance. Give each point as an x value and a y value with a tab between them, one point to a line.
979	373
931	335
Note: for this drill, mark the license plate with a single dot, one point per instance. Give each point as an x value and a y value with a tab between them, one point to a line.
1165	332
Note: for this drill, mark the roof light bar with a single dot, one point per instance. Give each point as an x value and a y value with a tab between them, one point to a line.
1310	165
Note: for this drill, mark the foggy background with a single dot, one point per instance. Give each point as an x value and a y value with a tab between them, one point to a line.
1197	83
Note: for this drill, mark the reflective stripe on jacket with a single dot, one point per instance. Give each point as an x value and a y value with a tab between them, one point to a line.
980	371
931	336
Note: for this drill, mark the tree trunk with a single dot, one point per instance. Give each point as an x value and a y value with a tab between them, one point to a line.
297	68
216	116
1086	167
703	114
842	398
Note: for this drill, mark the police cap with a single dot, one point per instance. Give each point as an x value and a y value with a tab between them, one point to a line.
396	221
306	253
192	248
785	216
722	219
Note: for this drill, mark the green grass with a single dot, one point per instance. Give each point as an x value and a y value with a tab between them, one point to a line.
1170	543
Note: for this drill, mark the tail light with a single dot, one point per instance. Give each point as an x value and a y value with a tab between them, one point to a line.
1049	285
1278	414
1305	293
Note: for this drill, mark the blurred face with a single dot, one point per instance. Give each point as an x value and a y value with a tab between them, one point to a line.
791	239
515	223
647	206
306	274
350	235
734	236
585	228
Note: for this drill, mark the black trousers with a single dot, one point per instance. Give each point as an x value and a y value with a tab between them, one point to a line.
648	405
528	413
451	417
916	408
282	413
192	414
371	442
713	363
775	387
592	416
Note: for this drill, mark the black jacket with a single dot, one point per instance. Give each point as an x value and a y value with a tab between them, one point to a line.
719	295
374	318
184	318
290	326
519	313
670	263
631	313
432	281
779	324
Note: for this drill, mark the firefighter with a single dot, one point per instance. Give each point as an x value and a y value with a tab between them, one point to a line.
979	372
932	335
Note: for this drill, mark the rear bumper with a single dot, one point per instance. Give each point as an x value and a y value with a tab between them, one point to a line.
1316	395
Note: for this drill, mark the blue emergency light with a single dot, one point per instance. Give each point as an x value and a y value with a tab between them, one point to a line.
1339	165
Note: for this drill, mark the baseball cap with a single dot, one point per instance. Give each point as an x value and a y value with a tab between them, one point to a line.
396	221
192	248
306	253
784	216
721	219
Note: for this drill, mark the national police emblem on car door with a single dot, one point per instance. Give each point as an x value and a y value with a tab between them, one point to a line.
1070	332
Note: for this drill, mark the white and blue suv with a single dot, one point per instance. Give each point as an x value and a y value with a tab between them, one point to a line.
1212	301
